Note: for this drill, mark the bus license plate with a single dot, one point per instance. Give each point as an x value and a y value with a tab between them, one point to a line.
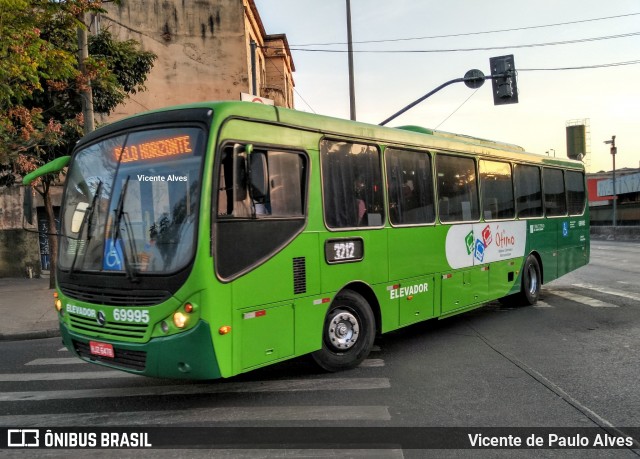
101	349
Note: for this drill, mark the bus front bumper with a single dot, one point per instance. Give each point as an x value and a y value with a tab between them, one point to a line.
187	355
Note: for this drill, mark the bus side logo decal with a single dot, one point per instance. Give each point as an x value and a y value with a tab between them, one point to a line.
473	244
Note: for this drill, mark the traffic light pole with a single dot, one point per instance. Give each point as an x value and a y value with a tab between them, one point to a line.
473	78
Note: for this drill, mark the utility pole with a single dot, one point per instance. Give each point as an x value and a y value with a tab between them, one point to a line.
254	72
352	93
614	151
86	94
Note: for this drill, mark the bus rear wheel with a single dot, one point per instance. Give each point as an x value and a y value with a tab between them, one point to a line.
531	281
347	334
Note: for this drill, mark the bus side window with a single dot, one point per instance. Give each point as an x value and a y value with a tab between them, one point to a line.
457	188
272	184
351	185
555	200
496	188
528	191
574	182
410	187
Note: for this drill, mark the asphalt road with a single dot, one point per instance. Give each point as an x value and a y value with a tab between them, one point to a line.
571	361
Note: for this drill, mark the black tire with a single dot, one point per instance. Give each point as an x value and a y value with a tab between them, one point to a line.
531	281
347	334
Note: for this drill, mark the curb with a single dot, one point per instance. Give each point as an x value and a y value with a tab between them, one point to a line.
35	334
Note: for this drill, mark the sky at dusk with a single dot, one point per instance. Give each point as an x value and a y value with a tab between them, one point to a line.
397	59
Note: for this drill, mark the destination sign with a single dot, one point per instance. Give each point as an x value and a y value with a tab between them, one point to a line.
154	149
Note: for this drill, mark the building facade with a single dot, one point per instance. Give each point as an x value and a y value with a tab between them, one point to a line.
207	50
627	191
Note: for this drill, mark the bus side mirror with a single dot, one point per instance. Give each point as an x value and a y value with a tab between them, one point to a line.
258	176
27	205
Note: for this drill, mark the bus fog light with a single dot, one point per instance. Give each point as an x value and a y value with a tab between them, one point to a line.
164	326
180	319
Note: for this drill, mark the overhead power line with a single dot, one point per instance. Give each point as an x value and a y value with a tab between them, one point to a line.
582	67
466	34
453	50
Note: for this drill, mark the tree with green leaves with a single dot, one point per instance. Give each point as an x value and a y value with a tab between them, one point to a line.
42	82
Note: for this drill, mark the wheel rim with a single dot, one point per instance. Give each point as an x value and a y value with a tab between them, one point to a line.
343	330
533	280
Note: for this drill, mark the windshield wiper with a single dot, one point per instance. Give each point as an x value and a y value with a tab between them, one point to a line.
129	269
88	217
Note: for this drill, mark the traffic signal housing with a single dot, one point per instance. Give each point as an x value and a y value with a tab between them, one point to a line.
503	81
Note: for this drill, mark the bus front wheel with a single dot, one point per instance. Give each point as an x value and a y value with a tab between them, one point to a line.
348	333
531	280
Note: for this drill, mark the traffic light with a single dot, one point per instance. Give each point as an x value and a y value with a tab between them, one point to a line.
505	88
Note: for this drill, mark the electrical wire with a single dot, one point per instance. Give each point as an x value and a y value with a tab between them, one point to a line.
459	107
294	88
453	50
582	67
466	34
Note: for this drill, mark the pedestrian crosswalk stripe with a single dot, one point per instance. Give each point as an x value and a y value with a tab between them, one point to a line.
286	385
609	291
582	299
199	416
542	304
368	363
105	374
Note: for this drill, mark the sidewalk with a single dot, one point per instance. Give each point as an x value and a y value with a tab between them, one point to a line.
27	309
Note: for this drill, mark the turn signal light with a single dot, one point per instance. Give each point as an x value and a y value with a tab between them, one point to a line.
188	308
224	329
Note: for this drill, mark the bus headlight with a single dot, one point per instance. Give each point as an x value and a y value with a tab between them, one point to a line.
180	319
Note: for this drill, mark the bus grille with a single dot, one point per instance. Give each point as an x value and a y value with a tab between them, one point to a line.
109	297
111	330
131	360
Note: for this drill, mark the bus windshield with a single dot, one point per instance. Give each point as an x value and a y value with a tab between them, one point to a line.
131	203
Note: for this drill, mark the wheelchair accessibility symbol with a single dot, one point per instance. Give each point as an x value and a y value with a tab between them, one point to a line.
112	260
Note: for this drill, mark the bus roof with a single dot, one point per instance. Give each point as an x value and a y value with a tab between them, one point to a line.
410	136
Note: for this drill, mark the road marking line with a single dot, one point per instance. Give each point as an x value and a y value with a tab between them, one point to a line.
542	304
287	385
25	377
582	299
198	416
367	363
63	349
56	361
609	291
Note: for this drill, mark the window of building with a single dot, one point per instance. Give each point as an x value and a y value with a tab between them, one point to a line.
457	189
352	185
410	185
528	191
555	200
496	188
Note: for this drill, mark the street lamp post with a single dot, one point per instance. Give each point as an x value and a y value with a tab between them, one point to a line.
614	151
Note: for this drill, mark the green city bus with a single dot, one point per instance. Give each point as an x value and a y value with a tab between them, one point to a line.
211	239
